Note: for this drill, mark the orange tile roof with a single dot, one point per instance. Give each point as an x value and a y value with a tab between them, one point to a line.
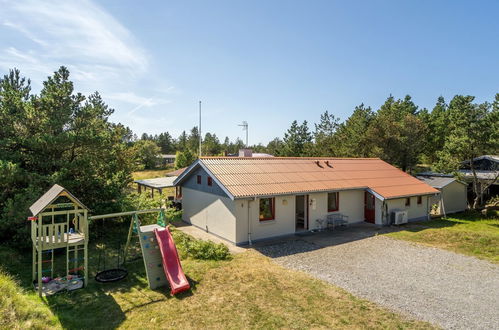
245	177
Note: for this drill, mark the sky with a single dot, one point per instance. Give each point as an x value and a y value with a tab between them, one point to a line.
265	62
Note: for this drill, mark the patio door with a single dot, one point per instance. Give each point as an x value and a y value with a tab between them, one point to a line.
369	207
301	212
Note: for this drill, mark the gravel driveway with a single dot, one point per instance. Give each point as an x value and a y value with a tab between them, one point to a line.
441	287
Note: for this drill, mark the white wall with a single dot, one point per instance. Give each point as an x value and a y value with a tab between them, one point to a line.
454	197
211	212
351	204
415	210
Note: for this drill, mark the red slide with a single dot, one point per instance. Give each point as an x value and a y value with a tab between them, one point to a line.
171	262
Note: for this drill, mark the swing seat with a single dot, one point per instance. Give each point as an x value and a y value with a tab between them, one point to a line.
111	275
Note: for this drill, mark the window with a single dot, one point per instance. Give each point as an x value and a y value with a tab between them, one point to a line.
210	181
408	201
198	179
333	201
420	200
267	209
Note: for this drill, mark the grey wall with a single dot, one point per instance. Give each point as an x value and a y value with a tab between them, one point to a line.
191	183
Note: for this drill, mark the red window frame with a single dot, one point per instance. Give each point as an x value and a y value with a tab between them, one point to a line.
407	201
198	179
210	181
272	208
420	200
337	201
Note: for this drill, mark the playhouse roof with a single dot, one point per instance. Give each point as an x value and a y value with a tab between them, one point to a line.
247	177
50	196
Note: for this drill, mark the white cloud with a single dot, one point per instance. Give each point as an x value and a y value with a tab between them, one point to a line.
98	50
102	55
137	100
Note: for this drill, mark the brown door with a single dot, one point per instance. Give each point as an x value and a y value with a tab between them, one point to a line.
369	203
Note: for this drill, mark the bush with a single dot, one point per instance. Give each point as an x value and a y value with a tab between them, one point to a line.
189	247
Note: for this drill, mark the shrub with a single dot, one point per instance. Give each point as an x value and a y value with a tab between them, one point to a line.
189	247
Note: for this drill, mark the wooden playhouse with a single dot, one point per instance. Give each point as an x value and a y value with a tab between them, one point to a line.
59	221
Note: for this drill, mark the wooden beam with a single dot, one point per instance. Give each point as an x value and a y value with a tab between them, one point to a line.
122	214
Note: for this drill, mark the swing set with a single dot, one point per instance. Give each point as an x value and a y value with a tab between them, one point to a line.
60	221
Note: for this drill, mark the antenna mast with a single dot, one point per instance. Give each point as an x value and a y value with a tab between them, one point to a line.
199	130
245	128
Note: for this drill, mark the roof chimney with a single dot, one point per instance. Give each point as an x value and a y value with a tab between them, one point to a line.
245	153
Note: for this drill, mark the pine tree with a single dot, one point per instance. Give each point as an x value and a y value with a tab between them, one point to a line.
397	134
352	140
324	135
297	140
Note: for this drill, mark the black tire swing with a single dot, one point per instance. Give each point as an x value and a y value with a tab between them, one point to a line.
112	274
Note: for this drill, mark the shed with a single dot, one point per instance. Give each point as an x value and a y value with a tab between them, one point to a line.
453	192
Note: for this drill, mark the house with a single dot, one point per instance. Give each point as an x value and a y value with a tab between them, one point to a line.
487	171
163	159
245	199
453	193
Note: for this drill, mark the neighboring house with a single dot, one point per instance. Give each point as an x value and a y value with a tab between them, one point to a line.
453	193
163	159
487	172
248	199
249	153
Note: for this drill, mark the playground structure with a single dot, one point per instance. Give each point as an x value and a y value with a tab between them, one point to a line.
59	225
65	225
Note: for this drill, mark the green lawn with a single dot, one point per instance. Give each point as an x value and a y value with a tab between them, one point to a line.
467	233
248	291
151	174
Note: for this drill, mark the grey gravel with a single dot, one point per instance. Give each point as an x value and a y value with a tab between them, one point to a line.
444	288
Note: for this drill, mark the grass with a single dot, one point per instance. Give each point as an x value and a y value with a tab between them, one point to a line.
468	233
151	174
248	291
22	310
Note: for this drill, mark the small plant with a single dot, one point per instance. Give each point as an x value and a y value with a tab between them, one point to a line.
189	247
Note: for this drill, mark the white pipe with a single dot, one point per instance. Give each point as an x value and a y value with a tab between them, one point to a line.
249	220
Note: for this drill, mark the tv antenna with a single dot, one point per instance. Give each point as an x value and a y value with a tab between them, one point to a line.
200	139
244	125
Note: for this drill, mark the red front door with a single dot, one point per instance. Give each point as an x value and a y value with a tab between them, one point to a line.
369	202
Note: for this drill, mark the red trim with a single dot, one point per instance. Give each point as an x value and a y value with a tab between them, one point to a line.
32	218
210	181
420	200
198	179
407	201
272	206
337	202
369	214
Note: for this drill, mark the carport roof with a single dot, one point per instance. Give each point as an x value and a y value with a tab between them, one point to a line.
244	177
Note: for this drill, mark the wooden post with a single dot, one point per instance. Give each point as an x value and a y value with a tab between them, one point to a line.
39	255
139	188
33	267
129	237
85	252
